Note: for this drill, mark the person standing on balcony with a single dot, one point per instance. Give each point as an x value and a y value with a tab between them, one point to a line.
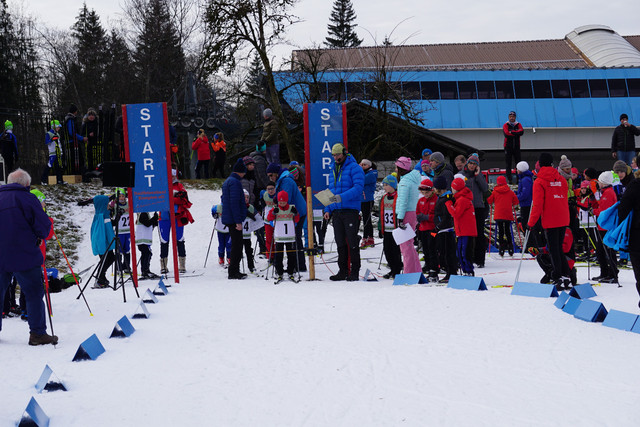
512	130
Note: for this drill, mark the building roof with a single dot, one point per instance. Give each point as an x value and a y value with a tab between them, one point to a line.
530	54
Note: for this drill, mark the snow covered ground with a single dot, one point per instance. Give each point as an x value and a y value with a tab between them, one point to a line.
247	353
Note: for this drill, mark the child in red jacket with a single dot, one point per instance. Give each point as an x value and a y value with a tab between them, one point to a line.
284	217
464	222
424	213
606	256
504	199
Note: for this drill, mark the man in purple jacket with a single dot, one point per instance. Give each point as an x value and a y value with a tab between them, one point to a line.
23	225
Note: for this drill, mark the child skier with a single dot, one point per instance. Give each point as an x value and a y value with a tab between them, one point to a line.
464	220
586	202
284	217
606	256
54	146
445	237
246	232
144	238
224	239
504	200
388	224
424	213
269	203
119	209
182	218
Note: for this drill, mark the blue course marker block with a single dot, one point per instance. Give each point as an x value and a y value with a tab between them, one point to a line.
123	328
160	289
46	382
149	298
467	282
368	277
34	415
562	299
583	291
620	320
141	312
539	290
90	349
572	305
591	311
409	279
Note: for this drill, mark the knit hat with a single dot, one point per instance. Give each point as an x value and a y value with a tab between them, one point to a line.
624	116
55	124
239	167
620	166
502	180
247	160
440	183
365	162
437	156
606	178
546	159
512	112
426	151
460	175
564	162
338	149
473	158
575	170
590	173
426	184
267	113
246	193
404	163
261	146
283	196
585	183
522	166
273	168
73	108
41	197
391	181
294	163
294	172
424	162
8	125
457	184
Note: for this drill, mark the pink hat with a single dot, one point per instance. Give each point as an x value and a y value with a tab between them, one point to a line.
585	183
404	163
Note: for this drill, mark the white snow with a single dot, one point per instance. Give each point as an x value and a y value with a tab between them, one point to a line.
247	353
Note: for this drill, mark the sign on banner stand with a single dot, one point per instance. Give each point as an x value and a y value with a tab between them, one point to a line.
146	137
325	124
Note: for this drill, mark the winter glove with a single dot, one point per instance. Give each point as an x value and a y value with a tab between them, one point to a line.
335	198
215	215
380	234
294	210
422	217
534	251
449	197
275	210
251	216
401	224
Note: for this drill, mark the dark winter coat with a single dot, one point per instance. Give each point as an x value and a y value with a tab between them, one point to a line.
286	183
22	223
347	180
442	219
270	132
9	146
235	208
512	133
71	130
370	180
249	184
90	126
504	199
623	138
549	199
260	170
464	216
525	188
631	203
478	186
445	170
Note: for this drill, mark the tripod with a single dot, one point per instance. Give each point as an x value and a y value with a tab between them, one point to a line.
117	268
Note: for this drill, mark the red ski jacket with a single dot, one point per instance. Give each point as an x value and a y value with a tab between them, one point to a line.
505	199
549	199
427	206
464	216
201	146
607	199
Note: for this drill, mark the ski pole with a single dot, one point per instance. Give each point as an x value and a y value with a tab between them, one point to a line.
526	238
48	297
210	240
72	273
490	228
612	263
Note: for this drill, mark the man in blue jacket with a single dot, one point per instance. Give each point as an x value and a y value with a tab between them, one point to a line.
234	213
23	225
346	182
285	182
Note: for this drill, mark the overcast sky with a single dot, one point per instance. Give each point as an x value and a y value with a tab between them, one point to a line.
417	22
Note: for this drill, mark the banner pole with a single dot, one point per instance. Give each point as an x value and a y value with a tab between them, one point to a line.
132	233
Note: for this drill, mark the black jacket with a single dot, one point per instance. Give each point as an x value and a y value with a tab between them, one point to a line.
631	202
623	138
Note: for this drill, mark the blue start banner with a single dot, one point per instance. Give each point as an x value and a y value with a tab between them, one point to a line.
146	126
324	127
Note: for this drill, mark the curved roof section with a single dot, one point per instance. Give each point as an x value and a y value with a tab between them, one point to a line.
600	46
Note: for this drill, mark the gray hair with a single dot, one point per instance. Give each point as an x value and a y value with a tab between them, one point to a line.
267	114
365	162
19	176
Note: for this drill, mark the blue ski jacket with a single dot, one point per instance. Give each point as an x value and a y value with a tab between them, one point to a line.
346	180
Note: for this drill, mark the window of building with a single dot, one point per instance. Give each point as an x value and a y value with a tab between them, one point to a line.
504	90
448	90
355	90
560	88
617	88
430	90
467	90
335	91
541	89
523	89
634	87
598	88
579	88
486	90
410	90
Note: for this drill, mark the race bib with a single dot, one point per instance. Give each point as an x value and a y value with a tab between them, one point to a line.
284	231
388	220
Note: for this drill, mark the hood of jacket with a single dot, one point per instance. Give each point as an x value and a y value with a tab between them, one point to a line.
501	189
548	173
464	193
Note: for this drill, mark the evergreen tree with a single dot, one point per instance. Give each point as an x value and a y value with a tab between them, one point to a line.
252	95
8	93
341	28
158	59
119	77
